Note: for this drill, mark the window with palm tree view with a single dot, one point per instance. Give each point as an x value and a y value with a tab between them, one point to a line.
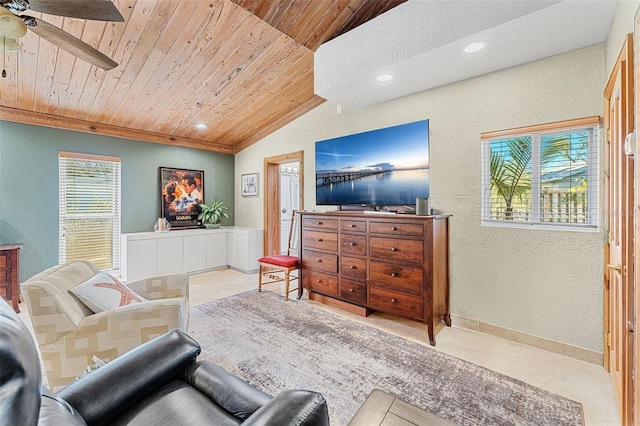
545	175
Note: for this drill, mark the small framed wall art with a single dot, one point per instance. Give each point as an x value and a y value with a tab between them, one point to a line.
249	184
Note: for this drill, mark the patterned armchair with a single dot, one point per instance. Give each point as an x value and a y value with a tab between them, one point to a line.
69	334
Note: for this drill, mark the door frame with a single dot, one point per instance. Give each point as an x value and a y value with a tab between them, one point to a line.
626	399
272	197
635	406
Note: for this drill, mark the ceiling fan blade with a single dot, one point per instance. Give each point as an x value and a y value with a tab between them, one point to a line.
67	42
96	10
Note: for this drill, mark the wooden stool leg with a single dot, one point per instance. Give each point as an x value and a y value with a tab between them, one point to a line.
260	279
286	285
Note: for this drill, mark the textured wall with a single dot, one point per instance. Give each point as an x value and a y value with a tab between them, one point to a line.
544	283
621	26
29	182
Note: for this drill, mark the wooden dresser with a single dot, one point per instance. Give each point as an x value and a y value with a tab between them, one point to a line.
9	280
378	262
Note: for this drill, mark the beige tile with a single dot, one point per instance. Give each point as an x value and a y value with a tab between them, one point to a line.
579	380
572	378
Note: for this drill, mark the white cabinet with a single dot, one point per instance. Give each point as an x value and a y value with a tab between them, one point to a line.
216	250
195	252
135	255
170	255
191	250
244	248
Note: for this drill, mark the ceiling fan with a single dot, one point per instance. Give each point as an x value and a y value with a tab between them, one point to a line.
13	25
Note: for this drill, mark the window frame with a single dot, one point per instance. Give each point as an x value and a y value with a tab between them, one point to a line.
537	132
65	159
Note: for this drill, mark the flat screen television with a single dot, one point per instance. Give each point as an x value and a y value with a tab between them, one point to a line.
384	167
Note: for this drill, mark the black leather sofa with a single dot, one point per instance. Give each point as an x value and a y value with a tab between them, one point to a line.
160	382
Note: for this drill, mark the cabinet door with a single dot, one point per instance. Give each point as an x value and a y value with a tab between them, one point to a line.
232	250
216	250
195	253
141	259
170	252
242	252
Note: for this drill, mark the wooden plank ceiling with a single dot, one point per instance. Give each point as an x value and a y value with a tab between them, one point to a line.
243	67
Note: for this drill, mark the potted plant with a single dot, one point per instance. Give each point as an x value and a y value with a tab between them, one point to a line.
212	214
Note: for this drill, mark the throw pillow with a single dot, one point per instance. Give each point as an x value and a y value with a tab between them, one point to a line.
103	292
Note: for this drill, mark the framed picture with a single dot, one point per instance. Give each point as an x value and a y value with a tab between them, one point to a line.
181	193
249	184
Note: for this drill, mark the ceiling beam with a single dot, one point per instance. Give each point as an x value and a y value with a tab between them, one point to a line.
65	123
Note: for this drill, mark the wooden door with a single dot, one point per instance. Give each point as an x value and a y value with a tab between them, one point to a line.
272	196
619	306
635	406
289	200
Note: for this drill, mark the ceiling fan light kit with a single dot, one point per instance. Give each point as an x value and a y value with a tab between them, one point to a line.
11	26
14	25
8	43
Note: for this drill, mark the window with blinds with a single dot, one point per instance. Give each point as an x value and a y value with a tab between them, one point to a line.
89	204
545	175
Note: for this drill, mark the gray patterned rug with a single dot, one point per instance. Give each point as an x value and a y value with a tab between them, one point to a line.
277	345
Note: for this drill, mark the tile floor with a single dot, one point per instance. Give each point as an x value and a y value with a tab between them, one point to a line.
578	380
569	377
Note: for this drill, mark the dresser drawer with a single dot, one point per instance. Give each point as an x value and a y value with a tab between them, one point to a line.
320	283
410	251
407	305
353	291
353	244
325	262
353	225
353	267
398	276
4	276
3	260
393	228
319	223
320	240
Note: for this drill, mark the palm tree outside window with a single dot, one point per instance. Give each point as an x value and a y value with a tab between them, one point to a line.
543	175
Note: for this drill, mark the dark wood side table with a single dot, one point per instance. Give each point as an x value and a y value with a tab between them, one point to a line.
383	409
9	271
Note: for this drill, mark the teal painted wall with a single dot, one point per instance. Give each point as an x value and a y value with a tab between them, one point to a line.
29	184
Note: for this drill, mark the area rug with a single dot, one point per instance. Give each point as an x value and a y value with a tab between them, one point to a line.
277	345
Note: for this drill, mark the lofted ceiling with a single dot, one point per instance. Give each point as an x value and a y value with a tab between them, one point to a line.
243	67
429	50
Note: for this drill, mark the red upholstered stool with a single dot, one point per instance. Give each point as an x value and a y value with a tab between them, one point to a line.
278	268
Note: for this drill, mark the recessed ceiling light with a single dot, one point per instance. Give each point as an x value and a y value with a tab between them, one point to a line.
201	126
384	77
475	47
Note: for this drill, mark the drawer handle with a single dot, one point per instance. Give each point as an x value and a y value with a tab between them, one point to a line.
393	228
352	226
394	300
318	281
319	240
352	244
394	249
393	274
319	223
351	290
319	261
352	267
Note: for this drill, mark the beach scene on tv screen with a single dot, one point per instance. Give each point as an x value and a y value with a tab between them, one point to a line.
387	166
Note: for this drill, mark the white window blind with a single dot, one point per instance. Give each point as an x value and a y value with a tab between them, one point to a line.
89	209
544	175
